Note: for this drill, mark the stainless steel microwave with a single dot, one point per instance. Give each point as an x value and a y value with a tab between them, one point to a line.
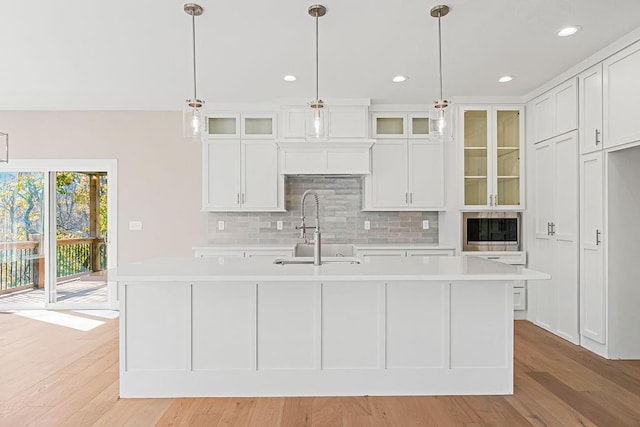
491	231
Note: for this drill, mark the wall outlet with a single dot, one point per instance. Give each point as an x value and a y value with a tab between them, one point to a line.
425	224
221	225
367	225
279	225
135	225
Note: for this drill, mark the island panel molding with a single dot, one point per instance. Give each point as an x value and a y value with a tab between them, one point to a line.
251	328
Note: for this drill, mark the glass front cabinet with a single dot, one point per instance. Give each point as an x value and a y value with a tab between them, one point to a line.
493	161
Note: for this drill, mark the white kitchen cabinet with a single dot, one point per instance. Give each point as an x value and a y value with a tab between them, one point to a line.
323	158
621	97
555	242
493	160
241	175
519	286
555	112
266	253
240	125
590	85
399	125
406	174
593	295
371	256
342	121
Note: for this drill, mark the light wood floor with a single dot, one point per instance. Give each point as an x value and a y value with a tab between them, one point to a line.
55	376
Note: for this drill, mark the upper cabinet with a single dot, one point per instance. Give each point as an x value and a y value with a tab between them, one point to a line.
342	121
492	138
555	112
399	125
240	164
245	126
590	83
406	174
241	175
621	97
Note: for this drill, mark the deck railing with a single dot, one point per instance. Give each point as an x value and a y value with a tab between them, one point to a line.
21	264
17	265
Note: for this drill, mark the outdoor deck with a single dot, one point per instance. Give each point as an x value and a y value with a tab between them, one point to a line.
80	267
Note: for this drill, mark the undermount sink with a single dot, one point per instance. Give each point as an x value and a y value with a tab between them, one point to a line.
326	250
309	260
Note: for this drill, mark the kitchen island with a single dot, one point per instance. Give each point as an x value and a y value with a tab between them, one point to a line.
244	327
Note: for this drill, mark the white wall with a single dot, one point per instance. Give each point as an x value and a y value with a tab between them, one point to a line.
158	172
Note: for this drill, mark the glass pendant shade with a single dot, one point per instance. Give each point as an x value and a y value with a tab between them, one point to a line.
192	120
440	122
315	122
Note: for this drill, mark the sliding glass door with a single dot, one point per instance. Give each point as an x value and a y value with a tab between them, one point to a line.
55	239
22	232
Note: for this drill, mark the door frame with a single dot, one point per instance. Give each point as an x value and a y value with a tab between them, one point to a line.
47	166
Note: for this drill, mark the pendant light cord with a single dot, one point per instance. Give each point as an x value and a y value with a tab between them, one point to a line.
440	53
193	36
317	98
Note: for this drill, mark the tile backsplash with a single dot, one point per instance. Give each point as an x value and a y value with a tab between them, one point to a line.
341	218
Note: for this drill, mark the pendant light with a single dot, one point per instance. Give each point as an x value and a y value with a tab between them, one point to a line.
440	114
192	123
315	122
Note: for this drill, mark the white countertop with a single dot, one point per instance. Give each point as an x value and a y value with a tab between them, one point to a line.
290	246
450	268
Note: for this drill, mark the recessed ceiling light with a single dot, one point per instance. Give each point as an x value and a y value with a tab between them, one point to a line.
289	78
505	79
569	31
399	79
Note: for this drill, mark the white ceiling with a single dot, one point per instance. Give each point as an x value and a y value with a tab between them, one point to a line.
117	54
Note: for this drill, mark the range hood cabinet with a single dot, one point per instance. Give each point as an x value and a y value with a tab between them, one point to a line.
325	158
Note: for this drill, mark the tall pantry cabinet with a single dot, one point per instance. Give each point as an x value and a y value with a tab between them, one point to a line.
552	240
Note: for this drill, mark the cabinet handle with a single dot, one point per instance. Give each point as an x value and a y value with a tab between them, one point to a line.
406	198
553	229
490	199
598	234
411	197
243	198
495	200
598	137
548	229
237	198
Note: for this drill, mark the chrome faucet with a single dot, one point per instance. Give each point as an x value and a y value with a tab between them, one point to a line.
316	230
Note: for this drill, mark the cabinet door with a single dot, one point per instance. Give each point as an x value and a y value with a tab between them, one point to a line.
258	126
418	125
475	134
348	121
542	111
223	125
507	157
565	232
591	110
566	107
389	174
592	280
372	256
543	255
426	174
621	95
389	125
260	175
292	123
221	174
